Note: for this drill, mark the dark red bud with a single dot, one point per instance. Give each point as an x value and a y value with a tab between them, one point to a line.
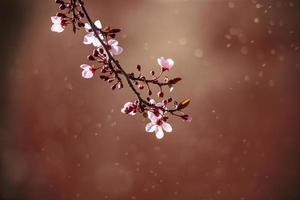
61	15
81	14
62	7
59	1
149	92
90	57
80	24
152	73
138	67
160	94
95	52
186	118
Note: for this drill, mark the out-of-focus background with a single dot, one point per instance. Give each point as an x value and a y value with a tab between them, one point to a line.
63	137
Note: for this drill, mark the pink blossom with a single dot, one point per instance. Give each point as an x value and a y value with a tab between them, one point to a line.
90	37
165	64
158	125
129	108
115	49
88	71
58	24
187	118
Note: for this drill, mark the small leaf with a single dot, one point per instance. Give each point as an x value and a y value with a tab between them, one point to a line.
183	104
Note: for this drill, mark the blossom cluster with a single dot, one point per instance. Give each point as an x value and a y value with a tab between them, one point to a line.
106	48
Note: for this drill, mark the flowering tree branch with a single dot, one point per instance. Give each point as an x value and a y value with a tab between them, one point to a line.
106	47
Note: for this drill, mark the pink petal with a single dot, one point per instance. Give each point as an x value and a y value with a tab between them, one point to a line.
160	61
87	27
123	110
159	132
150	127
152	101
116	50
88	38
132	113
87	74
113	42
98	24
57	28
56	20
170	63
167	127
96	42
85	66
151	116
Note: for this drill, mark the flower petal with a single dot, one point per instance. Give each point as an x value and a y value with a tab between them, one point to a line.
98	24
152	101
85	66
56	19
160	61
116	50
88	38
167	127
132	112
159	132
57	28
113	42
150	127
87	27
96	42
170	63
87	73
152	116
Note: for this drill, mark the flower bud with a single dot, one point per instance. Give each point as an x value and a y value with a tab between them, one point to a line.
186	118
113	87
138	67
81	14
62	6
95	52
149	92
59	1
80	24
160	94
90	57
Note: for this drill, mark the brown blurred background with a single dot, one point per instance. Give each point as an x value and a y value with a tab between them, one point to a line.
63	137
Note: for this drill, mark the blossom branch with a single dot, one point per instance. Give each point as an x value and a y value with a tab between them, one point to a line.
111	69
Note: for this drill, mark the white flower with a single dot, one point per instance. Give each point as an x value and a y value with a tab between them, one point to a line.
115	49
157	125
88	71
58	24
90	37
165	64
129	108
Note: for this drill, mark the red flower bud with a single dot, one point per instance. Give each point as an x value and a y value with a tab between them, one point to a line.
160	94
